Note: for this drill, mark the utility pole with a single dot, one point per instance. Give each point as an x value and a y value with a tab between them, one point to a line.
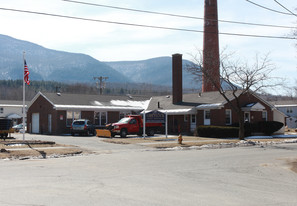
100	83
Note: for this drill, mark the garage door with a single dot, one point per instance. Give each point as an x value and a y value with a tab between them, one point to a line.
35	123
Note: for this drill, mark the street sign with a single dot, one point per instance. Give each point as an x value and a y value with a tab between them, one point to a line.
155	117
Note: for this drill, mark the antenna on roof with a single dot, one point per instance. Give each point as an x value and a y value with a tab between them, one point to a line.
101	84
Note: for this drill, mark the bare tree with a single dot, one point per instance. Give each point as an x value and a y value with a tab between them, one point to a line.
238	77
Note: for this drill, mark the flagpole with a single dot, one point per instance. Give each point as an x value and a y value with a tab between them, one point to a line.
24	109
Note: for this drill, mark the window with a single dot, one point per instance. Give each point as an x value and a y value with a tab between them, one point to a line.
246	117
70	116
185	118
228	116
103	118
289	110
100	118
193	119
1	110
264	115
207	114
133	121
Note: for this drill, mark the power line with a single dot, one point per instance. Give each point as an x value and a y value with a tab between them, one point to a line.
175	15
142	25
285	8
280	12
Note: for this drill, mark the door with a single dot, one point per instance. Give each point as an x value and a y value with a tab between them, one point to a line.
133	126
35	123
247	117
206	117
49	123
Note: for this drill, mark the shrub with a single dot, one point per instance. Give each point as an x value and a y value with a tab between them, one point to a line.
266	127
269	127
217	131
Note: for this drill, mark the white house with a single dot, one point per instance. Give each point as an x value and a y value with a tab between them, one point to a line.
289	108
12	110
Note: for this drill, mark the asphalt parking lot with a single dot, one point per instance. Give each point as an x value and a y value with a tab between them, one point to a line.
129	174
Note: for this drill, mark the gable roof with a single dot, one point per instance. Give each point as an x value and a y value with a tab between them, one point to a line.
205	100
84	102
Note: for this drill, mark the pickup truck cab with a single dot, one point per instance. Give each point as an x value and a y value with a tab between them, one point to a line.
133	124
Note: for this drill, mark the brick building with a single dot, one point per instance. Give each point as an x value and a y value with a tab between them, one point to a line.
53	113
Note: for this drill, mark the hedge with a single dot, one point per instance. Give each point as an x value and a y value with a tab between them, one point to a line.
266	127
217	131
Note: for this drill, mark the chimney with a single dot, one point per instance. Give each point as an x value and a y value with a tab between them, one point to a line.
177	76
211	56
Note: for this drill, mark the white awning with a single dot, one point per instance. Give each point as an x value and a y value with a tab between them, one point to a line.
210	106
95	108
176	111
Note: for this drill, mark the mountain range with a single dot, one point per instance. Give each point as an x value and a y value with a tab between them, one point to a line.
52	65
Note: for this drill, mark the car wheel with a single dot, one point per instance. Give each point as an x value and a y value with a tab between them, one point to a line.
123	133
87	133
151	132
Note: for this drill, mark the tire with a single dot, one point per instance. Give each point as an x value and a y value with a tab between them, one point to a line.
123	133
87	133
151	132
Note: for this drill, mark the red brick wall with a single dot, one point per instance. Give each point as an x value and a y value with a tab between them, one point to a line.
44	108
88	115
113	117
218	115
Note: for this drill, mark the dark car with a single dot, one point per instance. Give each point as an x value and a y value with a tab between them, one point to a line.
82	126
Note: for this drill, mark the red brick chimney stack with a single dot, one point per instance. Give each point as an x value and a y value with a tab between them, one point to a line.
177	76
211	56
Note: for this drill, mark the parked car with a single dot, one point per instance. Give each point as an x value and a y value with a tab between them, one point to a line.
18	127
82	126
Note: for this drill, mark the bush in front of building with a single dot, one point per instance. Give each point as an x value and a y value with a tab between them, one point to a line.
263	127
217	131
269	127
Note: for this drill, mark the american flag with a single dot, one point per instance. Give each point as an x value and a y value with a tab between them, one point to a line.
26	73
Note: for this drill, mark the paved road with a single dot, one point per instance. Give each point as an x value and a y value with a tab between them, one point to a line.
132	175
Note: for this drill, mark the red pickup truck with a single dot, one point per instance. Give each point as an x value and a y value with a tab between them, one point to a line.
133	124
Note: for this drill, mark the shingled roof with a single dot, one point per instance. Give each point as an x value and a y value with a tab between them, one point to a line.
190	102
84	101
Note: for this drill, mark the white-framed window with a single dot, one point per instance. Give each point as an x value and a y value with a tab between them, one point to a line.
247	117
1	110
264	115
193	119
71	116
228	116
206	117
100	118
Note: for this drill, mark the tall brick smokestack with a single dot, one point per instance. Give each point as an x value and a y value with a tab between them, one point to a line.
177	76
211	56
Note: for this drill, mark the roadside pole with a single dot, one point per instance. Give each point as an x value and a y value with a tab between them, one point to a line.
166	125
143	122
23	126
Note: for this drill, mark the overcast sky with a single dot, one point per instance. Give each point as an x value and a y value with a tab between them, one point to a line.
114	42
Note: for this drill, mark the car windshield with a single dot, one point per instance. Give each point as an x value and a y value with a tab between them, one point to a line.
79	123
124	120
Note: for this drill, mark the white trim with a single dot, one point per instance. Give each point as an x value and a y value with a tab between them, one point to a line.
230	116
176	111
94	108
